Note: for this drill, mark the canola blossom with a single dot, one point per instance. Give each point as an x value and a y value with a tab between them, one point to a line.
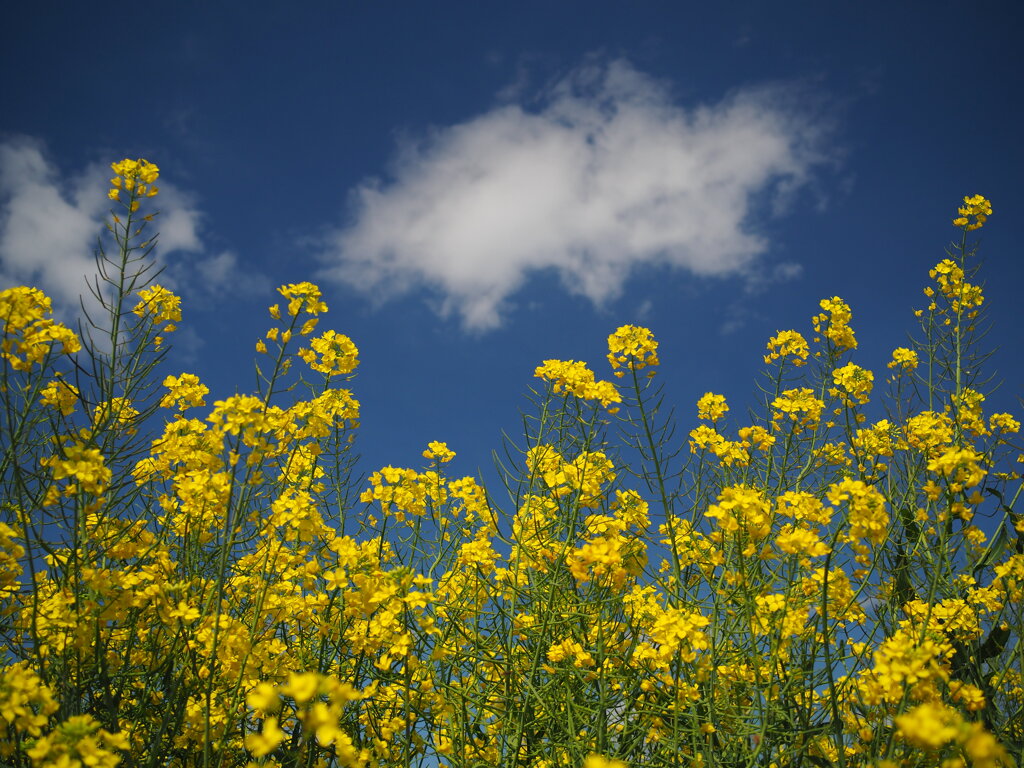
196	579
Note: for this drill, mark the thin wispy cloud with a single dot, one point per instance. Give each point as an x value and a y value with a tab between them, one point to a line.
602	173
49	225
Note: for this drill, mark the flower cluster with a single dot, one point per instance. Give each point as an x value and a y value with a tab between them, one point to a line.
159	305
135	177
834	323
28	333
632	347
186	584
332	354
973	213
575	378
787	344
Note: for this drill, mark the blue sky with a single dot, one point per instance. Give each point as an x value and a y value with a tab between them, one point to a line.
482	186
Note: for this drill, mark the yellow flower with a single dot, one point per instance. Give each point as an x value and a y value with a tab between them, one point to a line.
186	391
83	465
800	405
302	686
973	213
136	177
159	305
27	332
787	344
61	395
633	347
852	383
598	761
332	353
834	323
711	407
302	297
263	743
903	358
930	726
577	379
439	451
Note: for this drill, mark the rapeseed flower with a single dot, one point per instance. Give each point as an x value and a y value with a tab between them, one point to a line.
973	213
135	177
27	332
834	323
632	347
577	379
789	344
711	407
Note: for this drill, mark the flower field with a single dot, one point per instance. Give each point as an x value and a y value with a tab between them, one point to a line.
836	579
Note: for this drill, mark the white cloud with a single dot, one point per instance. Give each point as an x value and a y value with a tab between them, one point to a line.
49	227
46	232
608	174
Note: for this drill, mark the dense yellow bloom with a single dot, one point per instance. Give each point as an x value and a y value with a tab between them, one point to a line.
878	440
928	431
302	297
609	555
184	391
671	631
569	648
632	347
953	616
332	353
118	411
478	554
800	540
973	213
1004	422
962	467
961	295
577	379
61	395
135	177
904	359
405	491
711	407
803	506
27	332
25	705
741	509
933	726
159	305
852	383
85	466
595	760
800	406
868	517
79	741
10	566
787	344
267	740
834	323
439	451
929	726
969	411
586	474
728	452
755	436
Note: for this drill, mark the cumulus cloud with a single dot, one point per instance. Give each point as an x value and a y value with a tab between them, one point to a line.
47	228
49	225
604	172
